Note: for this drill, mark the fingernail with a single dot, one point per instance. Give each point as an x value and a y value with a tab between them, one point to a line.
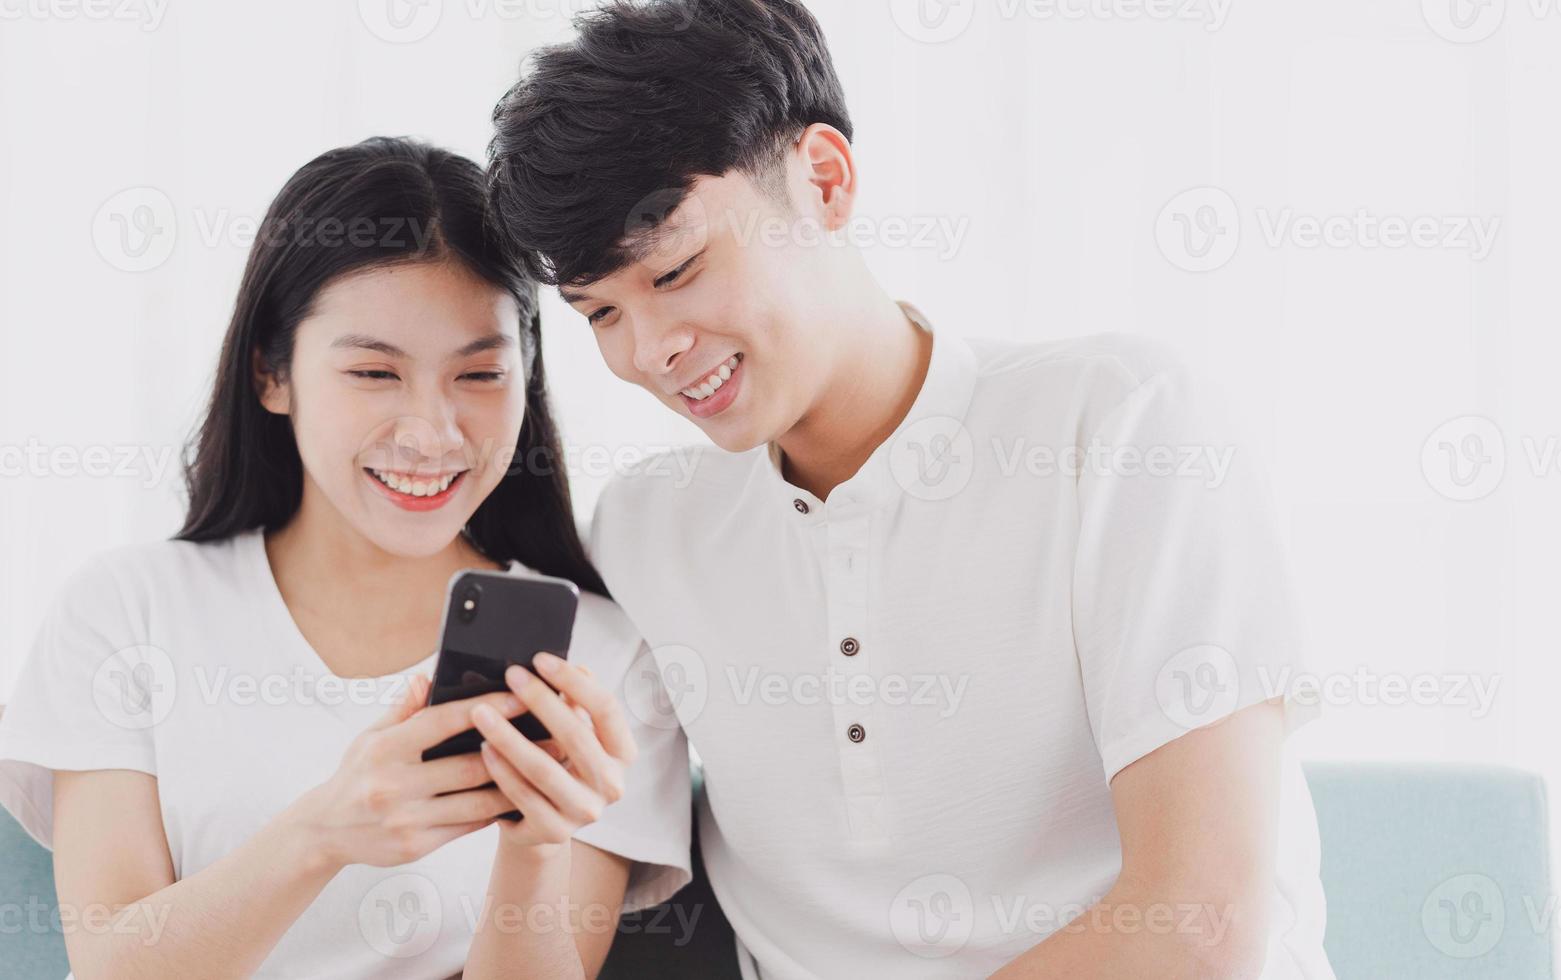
510	705
547	662
484	715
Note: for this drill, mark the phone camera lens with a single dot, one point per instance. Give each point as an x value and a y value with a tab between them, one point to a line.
468	602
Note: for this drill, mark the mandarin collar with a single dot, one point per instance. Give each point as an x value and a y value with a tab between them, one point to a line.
939	408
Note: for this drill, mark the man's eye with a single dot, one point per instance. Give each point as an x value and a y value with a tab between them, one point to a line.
373	375
599	315
675	274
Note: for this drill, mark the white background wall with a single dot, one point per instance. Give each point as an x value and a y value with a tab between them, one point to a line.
1054	138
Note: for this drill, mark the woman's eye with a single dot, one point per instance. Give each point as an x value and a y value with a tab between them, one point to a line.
373	375
599	315
484	375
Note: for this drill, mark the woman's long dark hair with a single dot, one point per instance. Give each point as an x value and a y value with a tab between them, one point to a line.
378	202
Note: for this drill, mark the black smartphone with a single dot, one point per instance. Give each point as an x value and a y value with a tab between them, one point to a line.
492	620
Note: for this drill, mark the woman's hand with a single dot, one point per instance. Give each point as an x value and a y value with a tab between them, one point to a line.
385	806
561	785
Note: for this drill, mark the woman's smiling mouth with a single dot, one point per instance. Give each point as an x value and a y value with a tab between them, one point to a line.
411	492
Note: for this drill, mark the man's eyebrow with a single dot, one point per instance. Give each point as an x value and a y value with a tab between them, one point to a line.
571	297
492	341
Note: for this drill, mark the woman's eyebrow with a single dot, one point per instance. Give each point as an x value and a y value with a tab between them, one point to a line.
364	341
492	341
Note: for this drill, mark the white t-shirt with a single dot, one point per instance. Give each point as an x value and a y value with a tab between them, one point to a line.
910	699
182	660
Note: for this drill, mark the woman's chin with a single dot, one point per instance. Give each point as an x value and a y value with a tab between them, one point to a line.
410	535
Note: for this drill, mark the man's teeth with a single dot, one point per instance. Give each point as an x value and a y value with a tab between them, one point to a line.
717	378
415	488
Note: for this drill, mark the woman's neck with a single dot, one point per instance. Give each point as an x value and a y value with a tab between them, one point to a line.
366	612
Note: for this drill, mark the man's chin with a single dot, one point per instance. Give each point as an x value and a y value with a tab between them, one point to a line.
733	439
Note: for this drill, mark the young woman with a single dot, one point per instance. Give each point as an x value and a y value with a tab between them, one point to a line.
220	736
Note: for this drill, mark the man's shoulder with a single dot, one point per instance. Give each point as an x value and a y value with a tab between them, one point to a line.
668	488
1106	359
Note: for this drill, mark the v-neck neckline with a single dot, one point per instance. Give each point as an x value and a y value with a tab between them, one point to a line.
286	625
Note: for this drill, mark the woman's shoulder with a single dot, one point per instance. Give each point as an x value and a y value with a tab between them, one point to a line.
138	573
607	617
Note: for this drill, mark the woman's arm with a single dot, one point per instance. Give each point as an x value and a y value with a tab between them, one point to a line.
384	806
555	905
111	856
553	902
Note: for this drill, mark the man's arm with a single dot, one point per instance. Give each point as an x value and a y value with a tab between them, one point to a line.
1198	820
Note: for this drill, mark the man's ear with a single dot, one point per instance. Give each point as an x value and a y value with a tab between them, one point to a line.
830	173
275	395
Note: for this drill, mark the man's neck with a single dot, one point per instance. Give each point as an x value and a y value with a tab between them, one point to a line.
878	372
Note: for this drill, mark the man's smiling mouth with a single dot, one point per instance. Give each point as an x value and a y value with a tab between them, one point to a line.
718	390
713	381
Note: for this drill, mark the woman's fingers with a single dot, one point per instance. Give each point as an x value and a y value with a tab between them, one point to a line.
577	682
452	773
579	742
572	797
469	806
438	722
536	809
413	698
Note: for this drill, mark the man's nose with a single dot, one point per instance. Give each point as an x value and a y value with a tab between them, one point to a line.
658	345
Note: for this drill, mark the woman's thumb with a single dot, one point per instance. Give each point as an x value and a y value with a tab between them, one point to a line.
413	699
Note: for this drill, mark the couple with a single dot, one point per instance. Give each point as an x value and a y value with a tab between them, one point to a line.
979	687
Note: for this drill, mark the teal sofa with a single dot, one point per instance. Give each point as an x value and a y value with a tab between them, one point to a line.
1431	871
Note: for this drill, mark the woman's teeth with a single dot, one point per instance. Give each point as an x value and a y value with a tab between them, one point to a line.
415	488
717	378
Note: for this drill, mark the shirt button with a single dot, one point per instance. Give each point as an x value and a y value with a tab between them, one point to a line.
849	646
856	733
801	505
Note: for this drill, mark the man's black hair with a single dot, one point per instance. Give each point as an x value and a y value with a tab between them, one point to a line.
604	136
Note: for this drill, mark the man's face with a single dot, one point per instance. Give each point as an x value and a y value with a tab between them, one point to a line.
716	318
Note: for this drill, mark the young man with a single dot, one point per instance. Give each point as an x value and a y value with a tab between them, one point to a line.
983	645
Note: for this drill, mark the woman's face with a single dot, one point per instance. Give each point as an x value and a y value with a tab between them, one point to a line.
407	395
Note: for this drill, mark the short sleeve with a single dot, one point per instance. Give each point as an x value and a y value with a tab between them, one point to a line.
651	824
1184	611
88	697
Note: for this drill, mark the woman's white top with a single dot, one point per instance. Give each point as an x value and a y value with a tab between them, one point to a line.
182	661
